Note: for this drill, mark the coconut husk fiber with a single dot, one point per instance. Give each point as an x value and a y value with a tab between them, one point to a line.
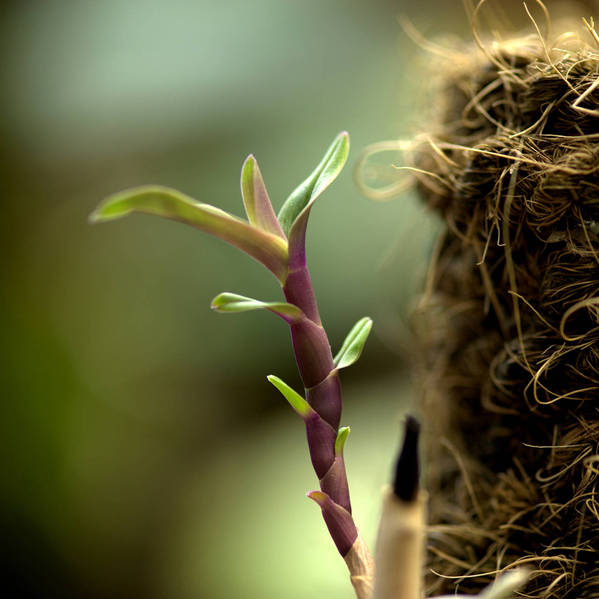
510	322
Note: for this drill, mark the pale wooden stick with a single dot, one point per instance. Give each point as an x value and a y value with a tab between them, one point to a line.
399	548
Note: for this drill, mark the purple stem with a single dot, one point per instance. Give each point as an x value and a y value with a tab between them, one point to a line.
323	392
299	291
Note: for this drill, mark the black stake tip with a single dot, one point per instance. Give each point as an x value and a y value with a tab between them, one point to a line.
407	469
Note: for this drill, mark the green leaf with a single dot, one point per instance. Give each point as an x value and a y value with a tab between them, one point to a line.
298	204
268	249
258	208
342	435
296	401
231	302
354	343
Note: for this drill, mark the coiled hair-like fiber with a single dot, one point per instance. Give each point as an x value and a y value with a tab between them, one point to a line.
510	325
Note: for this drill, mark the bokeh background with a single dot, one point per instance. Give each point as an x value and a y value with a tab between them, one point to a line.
144	453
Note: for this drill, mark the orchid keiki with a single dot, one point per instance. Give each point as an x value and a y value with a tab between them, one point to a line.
278	243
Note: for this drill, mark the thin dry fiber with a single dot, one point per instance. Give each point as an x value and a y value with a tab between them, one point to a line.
511	320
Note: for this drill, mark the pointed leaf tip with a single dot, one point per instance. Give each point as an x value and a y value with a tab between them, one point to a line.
296	401
352	346
257	204
342	435
318	496
93	217
231	302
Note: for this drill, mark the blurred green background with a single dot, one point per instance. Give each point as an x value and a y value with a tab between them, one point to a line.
145	455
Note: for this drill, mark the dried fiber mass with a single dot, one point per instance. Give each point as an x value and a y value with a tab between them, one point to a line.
510	325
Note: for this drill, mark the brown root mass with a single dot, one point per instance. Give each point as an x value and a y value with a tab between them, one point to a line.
511	321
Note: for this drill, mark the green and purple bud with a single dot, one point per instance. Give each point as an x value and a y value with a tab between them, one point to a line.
256	202
294	213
